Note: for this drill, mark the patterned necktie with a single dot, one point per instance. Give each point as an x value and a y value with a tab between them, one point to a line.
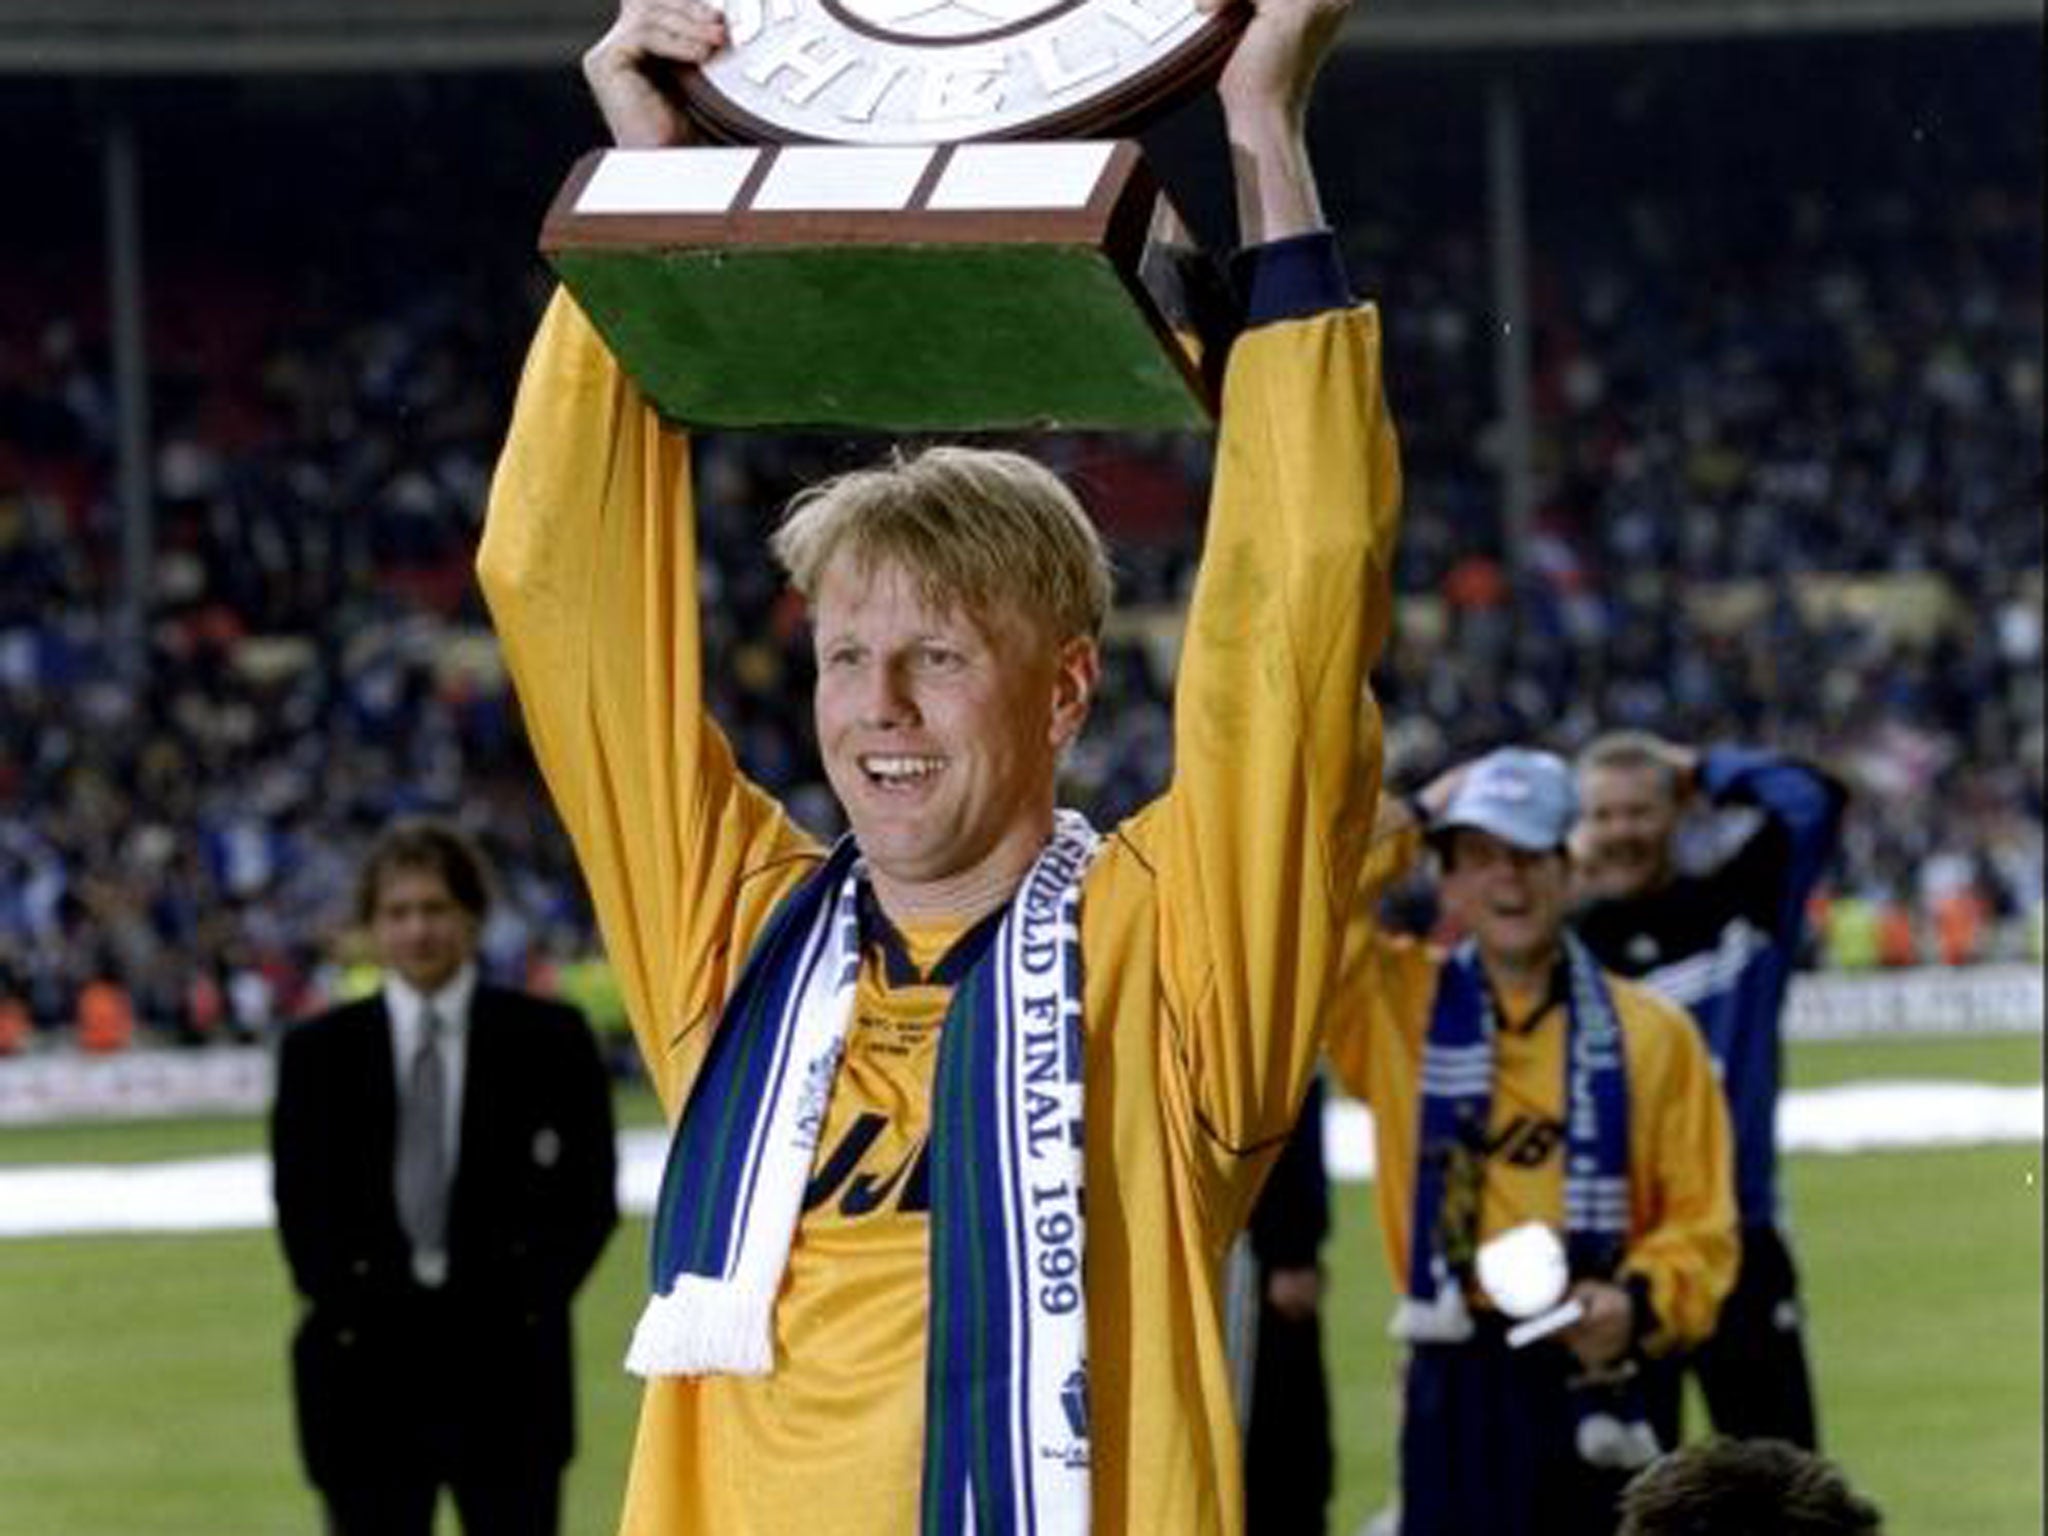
422	1166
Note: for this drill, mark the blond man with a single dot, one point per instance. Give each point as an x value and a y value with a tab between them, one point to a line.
968	1108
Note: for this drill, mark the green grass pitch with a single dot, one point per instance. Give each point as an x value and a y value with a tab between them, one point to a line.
143	1387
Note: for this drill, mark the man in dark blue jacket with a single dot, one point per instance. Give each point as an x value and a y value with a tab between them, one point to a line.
1722	941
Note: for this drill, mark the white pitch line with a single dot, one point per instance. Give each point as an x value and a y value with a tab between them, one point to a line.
1873	1116
233	1193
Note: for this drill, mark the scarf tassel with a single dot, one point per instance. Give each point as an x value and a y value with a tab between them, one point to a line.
704	1325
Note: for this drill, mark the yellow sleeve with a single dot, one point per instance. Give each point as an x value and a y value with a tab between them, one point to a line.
1383	984
1378	1023
1276	734
589	567
1682	1173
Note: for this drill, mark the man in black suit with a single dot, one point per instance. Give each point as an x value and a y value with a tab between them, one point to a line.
444	1173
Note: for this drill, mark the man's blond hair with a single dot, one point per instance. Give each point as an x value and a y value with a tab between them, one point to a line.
1629	751
978	529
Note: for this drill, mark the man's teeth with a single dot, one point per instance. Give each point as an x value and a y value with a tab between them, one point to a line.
898	769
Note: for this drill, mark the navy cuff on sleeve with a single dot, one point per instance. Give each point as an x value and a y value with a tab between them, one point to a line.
1291	279
1720	767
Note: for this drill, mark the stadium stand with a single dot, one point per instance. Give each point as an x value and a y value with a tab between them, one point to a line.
1787	352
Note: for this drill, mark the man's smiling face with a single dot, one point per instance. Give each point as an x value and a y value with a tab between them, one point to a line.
1511	900
1623	840
941	732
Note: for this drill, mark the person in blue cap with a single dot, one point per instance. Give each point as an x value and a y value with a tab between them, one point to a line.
1512	1081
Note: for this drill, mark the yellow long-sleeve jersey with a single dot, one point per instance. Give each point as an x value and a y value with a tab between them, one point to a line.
1682	1230
1211	923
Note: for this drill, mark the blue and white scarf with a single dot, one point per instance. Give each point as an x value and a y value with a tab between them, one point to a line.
1006	1416
1457	1103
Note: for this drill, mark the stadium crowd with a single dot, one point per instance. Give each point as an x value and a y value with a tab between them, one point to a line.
1790	454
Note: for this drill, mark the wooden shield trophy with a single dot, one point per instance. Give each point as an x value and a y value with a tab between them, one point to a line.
913	223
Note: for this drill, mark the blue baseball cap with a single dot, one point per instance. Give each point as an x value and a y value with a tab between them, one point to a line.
1527	799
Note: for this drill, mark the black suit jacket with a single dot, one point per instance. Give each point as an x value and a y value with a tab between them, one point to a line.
479	1370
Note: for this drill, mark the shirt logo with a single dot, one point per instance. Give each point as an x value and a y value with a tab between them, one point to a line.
842	1180
1527	1141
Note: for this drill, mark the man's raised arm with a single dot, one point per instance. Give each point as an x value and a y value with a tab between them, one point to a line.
1264	91
1277	741
589	566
